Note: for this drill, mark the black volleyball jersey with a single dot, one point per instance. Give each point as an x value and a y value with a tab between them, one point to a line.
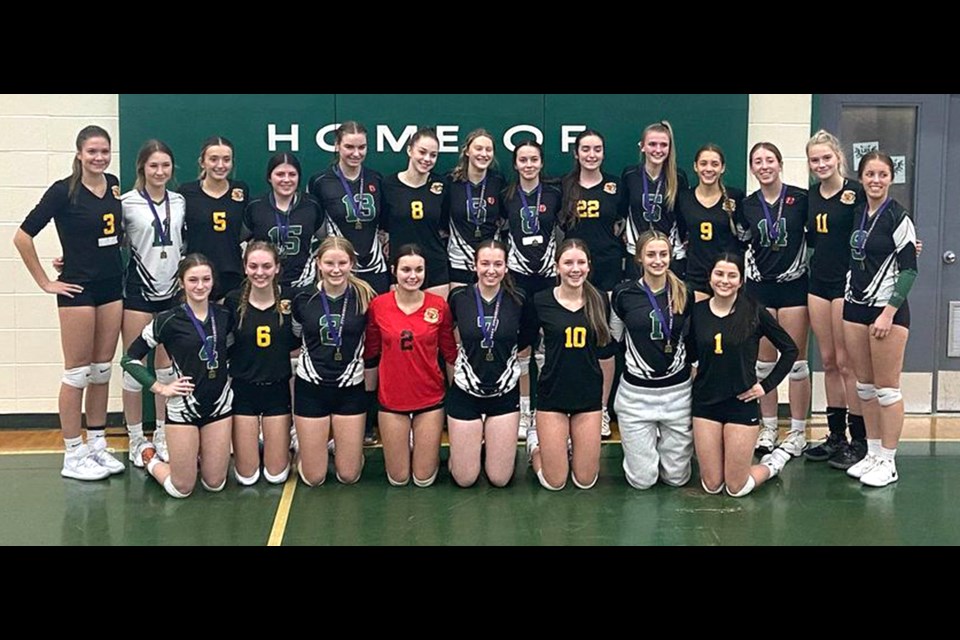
215	225
599	209
890	248
319	334
485	368
830	225
297	234
193	357
355	216
415	215
261	345
777	251
654	213
89	228
471	222
726	368
634	321
572	366
534	237
708	232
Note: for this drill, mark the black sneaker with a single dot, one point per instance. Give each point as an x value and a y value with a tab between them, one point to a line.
849	455
826	449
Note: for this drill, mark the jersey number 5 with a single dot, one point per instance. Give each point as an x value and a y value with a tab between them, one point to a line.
220	221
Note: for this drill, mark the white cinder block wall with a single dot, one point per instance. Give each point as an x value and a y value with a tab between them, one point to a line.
37	136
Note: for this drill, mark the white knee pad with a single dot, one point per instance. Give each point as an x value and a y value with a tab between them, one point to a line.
546	485
304	478
215	489
747	488
279	478
77	378
764	369
718	490
800	370
244	481
130	384
166	375
172	490
394	483
866	392
585	487
423	484
100	372
888	396
524	365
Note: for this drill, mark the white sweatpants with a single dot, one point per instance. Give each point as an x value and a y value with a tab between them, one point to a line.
657	434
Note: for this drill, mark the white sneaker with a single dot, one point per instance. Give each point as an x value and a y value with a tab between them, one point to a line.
605	424
145	452
526	419
767	439
98	451
80	465
776	461
533	443
884	472
134	453
861	468
794	443
160	443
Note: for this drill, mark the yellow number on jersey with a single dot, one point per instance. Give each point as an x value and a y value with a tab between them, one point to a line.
706	231
588	208
718	344
822	223
263	336
416	210
109	224
576	337
219	220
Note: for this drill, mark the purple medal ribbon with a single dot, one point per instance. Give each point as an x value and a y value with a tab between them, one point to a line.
667	327
331	325
163	233
481	320
535	226
774	228
351	196
211	355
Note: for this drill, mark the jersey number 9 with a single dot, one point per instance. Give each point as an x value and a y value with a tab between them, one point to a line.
220	221
263	336
706	231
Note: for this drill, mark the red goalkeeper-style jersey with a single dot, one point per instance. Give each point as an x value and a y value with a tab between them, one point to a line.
410	376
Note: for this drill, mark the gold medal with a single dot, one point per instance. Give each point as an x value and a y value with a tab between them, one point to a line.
163	254
490	355
338	356
212	374
668	348
359	226
478	234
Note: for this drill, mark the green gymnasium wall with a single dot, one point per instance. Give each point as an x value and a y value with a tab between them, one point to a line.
184	120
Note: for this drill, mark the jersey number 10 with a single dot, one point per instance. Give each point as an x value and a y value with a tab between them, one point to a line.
576	338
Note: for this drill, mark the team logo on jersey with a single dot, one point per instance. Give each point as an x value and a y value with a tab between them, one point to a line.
789	201
491	201
237	195
371	188
436	188
431	316
611	188
848	197
286	307
116	191
729	205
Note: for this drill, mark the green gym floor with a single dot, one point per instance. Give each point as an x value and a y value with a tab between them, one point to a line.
809	504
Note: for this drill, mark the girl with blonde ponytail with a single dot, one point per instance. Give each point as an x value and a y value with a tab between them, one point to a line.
651	316
329	396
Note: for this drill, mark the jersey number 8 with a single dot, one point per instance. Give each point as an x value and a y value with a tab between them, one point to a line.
416	210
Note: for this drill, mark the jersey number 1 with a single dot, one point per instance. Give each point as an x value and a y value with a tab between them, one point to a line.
718	344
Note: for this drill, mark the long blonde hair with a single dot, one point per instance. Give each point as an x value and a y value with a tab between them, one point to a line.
673	184
826	138
459	173
364	291
678	290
